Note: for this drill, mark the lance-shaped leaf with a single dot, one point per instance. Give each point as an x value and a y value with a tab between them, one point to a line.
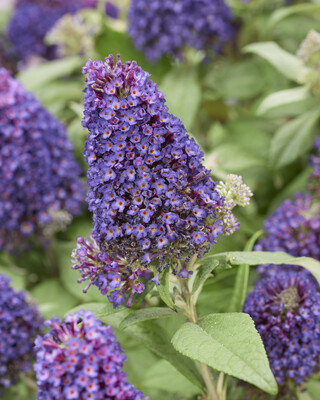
235	258
286	63
228	343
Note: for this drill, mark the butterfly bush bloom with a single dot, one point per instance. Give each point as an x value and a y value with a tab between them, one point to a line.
166	27
151	197
40	186
293	228
32	19
286	312
81	359
20	323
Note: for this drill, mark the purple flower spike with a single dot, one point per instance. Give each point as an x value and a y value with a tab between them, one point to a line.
295	229
20	323
40	187
164	27
32	19
80	358
286	312
148	187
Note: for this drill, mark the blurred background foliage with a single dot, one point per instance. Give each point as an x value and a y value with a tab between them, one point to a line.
254	110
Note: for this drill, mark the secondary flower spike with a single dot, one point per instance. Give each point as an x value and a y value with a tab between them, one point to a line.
286	312
81	359
166	27
20	323
293	228
40	187
32	19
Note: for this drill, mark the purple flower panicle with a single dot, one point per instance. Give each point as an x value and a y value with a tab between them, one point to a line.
164	27
81	359
32	19
286	312
293	228
39	177
151	197
20	323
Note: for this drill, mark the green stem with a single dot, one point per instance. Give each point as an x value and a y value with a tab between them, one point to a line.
191	313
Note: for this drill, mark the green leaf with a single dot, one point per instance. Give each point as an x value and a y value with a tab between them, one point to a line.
183	93
36	78
235	258
286	63
283	98
229	343
52	298
241	285
281	13
163	289
203	273
232	157
163	375
294	138
242	80
146	314
299	184
313	388
155	338
8	268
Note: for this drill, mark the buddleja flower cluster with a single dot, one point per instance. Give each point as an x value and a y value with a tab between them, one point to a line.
32	19
81	359
20	323
151	197
286	312
166	27
39	177
293	228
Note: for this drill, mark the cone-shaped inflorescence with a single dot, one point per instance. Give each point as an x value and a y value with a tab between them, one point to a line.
314	181
166	27
286	312
32	19
151	198
293	228
20	323
39	178
81	359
